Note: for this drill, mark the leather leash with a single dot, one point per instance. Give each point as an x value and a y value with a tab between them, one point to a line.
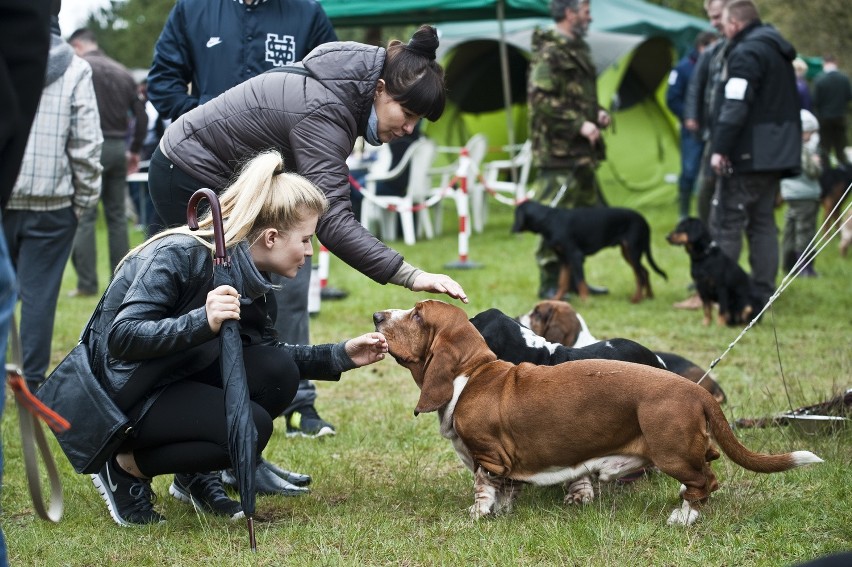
30	408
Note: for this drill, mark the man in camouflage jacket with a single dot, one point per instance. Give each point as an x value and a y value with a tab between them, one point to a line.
565	121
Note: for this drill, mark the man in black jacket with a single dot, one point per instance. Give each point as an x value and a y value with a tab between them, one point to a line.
756	139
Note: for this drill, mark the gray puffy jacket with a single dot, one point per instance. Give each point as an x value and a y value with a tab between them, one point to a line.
314	122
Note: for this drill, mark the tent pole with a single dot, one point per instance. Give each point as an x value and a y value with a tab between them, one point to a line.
507	90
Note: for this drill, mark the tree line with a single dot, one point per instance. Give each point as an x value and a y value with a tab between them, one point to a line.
128	29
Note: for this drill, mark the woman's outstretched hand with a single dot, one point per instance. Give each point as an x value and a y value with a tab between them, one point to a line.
222	303
439	283
367	349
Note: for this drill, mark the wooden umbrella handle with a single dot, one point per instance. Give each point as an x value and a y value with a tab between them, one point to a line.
216	210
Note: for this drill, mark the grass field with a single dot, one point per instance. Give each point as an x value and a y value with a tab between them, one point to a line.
388	490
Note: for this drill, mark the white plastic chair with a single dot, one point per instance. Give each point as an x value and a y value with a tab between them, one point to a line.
521	163
477	147
374	208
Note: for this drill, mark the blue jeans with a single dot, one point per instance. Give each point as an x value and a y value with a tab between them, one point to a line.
691	149
8	297
39	244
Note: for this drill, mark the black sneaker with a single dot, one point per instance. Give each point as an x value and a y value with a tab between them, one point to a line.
129	499
206	492
307	423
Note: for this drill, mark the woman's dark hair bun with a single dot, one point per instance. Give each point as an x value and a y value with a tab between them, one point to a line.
424	42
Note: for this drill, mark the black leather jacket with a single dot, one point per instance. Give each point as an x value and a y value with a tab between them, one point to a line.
152	321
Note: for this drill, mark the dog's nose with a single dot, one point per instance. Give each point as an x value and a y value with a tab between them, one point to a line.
378	317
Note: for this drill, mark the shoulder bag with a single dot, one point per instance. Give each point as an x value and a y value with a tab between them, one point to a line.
98	426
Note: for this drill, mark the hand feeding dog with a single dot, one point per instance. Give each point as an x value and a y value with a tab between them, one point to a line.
576	233
717	277
510	424
558	322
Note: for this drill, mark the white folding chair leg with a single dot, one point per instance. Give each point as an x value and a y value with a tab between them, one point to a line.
407	220
388	220
366	213
477	205
425	224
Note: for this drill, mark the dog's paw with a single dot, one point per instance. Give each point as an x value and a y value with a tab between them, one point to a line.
480	510
686	515
580	492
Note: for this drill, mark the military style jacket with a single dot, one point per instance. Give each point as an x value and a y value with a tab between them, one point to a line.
562	94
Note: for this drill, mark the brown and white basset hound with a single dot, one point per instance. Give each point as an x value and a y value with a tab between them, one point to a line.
555	424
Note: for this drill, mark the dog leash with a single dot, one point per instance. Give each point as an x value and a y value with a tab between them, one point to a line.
814	248
32	435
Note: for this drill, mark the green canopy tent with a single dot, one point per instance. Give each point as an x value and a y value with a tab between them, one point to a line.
349	13
486	63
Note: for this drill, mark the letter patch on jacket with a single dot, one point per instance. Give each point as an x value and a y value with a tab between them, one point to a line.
735	88
280	49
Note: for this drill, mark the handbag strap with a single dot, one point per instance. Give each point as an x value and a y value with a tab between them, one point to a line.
84	336
32	435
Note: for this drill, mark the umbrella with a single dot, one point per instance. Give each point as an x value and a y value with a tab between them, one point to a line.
242	433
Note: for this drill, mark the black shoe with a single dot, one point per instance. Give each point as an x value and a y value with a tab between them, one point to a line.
550	292
267	482
205	492
595	290
298	479
332	293
307	423
129	499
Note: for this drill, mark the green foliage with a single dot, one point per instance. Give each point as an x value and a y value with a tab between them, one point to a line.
128	29
389	490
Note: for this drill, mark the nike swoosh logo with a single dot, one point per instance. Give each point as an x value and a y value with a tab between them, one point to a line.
214	41
112	486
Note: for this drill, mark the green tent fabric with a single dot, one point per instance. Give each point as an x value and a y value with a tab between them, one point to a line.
349	13
643	143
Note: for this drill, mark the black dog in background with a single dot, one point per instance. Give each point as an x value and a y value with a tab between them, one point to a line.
717	277
576	233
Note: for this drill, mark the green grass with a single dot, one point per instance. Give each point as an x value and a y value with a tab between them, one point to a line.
388	490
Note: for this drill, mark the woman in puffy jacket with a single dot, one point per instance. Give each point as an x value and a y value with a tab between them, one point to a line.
155	348
312	112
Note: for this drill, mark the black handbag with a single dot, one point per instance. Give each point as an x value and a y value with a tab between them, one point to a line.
98	426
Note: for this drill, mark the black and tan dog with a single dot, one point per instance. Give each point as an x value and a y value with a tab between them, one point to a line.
553	424
515	343
717	277
576	233
558	322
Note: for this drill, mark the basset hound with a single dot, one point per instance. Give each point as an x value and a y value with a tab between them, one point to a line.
553	424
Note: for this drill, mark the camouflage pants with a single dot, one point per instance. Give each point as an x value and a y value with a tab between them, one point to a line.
580	190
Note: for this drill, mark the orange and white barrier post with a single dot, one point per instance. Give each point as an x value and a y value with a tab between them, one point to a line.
463	208
323	262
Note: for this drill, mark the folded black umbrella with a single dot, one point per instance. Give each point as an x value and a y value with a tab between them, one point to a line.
242	433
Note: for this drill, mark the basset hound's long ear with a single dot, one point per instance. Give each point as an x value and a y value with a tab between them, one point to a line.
562	327
450	348
438	374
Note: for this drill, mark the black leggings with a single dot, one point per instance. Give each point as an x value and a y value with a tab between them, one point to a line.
170	189
184	430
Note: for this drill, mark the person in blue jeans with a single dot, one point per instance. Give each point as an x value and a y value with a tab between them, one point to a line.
691	143
24	43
